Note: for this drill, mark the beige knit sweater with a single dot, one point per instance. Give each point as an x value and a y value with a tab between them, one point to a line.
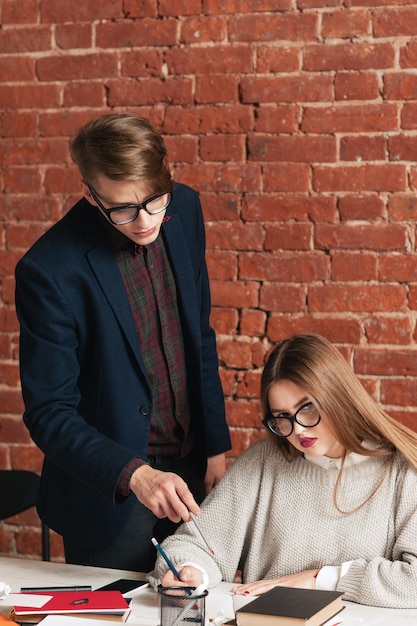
270	518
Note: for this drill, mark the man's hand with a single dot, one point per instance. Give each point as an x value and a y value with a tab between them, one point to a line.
164	493
216	467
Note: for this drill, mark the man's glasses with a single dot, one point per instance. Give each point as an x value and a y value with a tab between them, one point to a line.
126	213
282	424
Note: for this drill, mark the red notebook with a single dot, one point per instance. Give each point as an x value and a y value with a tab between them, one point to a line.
68	602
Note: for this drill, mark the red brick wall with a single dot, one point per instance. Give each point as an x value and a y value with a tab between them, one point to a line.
297	122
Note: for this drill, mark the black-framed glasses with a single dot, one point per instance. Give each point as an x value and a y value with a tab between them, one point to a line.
126	213
282	424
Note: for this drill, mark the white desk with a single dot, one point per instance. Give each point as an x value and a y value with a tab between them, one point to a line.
19	573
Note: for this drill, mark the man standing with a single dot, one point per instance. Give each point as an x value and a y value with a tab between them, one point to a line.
118	361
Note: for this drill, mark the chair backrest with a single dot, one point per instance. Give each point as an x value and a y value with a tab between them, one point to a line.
19	492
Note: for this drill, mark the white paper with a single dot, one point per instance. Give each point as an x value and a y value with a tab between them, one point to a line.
25	599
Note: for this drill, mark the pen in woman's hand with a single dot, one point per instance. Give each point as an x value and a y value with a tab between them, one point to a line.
168	562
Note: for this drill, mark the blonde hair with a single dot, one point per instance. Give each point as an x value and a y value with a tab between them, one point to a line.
122	147
315	365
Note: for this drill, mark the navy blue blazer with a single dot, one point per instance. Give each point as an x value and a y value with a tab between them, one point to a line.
88	403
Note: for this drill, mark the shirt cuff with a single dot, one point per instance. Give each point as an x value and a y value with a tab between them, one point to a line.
328	576
123	484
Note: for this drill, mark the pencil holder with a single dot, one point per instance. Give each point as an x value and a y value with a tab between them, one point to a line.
178	608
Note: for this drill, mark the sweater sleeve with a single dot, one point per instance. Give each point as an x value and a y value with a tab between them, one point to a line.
225	521
391	581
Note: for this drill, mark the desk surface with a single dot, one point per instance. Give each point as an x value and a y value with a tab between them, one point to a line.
19	573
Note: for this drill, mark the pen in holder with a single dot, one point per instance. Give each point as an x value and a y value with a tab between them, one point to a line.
179	608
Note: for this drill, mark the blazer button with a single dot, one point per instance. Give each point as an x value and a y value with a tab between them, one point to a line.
145	409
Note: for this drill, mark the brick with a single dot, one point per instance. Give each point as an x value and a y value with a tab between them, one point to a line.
286	89
26	457
24	236
409	115
362	178
141	8
347	56
336	330
283	207
277	118
184	151
284	267
30	96
281	297
19	12
349	118
77	66
400	86
277	59
199	29
380	362
276	27
222	264
227	378
10	400
402	207
15	124
395	22
294	149
23	207
215	89
222	206
362	149
253	322
244	414
356	86
61	11
13	430
408	55
224	320
142	62
402	147
36	151
236	354
245	6
389	330
130	33
78	36
357	207
26	39
398	268
23	179
83	94
235	236
181	7
17	69
286	177
227	178
361	237
357	298
204	119
238	294
354	266
209	60
129	92
289	236
223	148
344	24
249	387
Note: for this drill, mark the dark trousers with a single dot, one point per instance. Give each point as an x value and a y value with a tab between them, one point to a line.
133	550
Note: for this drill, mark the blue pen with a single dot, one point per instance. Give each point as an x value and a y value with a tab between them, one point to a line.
168	561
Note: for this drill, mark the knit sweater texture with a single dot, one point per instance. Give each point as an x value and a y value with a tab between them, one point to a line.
270	517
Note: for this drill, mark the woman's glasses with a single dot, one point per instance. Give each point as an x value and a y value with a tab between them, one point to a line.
282	424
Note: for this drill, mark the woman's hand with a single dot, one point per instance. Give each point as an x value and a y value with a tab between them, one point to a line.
302	580
190	577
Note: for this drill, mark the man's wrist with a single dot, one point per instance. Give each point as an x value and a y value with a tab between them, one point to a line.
123	484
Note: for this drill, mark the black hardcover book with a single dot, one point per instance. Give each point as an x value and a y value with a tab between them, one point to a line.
290	606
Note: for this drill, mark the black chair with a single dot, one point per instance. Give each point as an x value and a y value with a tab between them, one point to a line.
18	492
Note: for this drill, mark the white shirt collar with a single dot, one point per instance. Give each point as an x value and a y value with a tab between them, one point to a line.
353	458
